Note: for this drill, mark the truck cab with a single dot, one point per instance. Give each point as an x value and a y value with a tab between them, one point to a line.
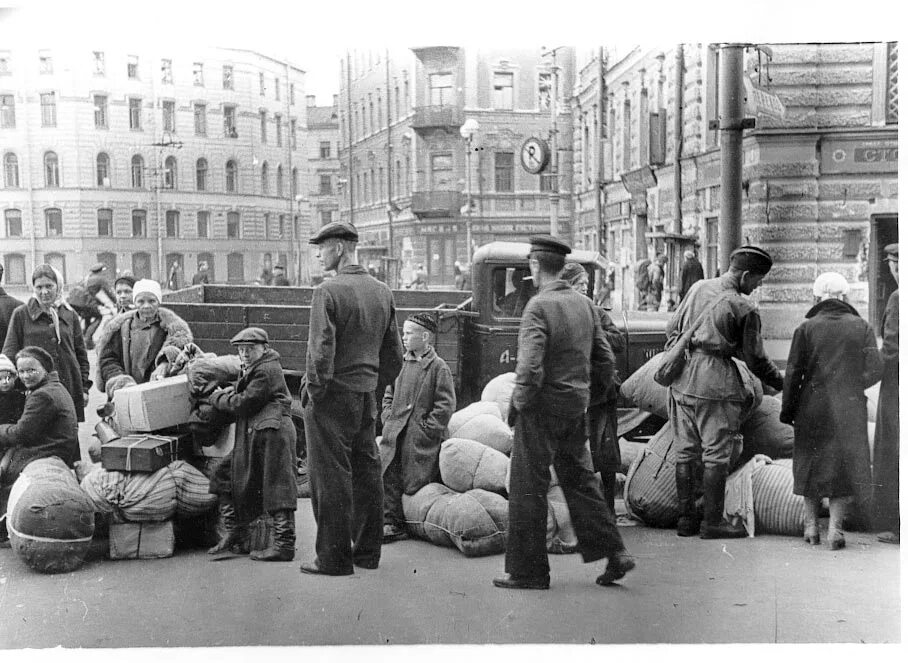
501	288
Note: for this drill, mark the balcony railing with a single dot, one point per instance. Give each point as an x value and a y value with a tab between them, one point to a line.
436	203
435	117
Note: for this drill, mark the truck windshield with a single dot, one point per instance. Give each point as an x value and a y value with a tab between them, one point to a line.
512	288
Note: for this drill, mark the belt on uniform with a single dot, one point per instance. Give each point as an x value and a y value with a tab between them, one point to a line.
713	353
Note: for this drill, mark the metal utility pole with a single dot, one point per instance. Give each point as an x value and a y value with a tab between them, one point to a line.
600	161
679	134
731	134
553	147
350	136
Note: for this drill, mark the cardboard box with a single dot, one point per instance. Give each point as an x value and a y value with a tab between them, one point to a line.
148	407
141	540
222	447
139	452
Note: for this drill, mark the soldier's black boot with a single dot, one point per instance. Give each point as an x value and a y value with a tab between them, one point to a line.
684	482
283	546
714	525
235	539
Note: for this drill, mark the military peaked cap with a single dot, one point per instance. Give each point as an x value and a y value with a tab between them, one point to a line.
892	252
549	244
751	259
97	267
424	320
338	229
250	336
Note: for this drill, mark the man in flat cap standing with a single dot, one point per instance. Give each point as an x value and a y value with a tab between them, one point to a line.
886	435
353	343
561	348
709	398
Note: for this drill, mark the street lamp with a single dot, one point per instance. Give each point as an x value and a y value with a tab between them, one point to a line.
468	132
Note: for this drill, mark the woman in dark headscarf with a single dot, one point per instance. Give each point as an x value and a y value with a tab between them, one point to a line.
48	322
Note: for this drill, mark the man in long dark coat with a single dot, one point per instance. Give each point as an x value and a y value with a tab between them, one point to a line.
561	345
353	342
691	272
8	304
886	437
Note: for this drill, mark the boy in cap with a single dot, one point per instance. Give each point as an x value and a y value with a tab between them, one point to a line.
262	467
709	399
415	411
279	278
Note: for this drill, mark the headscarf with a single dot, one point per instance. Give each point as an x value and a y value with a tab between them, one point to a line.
59	301
830	285
146	287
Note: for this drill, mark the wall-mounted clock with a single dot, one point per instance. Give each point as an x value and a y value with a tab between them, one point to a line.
534	155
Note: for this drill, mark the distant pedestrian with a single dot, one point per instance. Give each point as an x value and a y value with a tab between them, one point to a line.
8	304
420	279
656	271
606	286
642	282
175	278
833	359
267	275
691	272
280	278
353	344
458	276
886	439
201	276
561	345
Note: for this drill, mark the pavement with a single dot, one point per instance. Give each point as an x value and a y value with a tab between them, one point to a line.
768	589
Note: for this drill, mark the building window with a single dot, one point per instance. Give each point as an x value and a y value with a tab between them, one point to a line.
231	176
132	66
53	220
11	170
227	77
892	82
13	222
442	171
278	130
4	62
281	226
137	168
202	222
326	216
277	88
545	183
265	187
105	222
51	170
139	223
135	113
324	185
201	175
172	223
279	181
712	245
7	111
48	109
293	134
230	121
45	63
262	84
98	60
102	169
100	111
396	178
199	119
235	270
441	87
324	149
294	183
168	116
504	171
198	74
167	72
503	91
263	123
292	95
141	265
15	268
57	261
233	224
544	90
170	173
267	223
407	179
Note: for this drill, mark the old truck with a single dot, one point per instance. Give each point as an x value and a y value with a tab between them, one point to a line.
477	329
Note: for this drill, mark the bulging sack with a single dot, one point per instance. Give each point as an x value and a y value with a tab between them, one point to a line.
489	430
644	392
462	416
138	497
650	493
466	464
498	391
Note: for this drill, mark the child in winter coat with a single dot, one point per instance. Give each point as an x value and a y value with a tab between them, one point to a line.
415	411
262	466
12	394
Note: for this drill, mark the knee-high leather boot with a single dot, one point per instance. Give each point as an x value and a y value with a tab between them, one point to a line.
714	525
684	482
234	539
283	546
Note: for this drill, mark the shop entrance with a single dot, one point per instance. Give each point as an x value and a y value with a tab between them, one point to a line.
884	229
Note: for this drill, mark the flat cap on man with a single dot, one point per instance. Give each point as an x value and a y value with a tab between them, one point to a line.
97	267
424	320
548	244
280	267
751	259
250	336
892	252
338	229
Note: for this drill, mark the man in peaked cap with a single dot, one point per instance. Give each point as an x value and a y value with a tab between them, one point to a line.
709	400
416	409
354	345
560	347
87	301
886	435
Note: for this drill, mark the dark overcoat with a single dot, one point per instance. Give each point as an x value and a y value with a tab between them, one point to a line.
263	462
8	304
886	434
32	326
415	411
833	359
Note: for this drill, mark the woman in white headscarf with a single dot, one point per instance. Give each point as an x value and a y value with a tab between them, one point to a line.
48	322
833	359
139	345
